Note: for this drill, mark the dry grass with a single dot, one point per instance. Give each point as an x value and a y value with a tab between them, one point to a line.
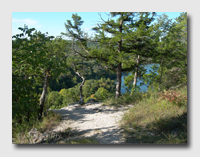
123	100
51	120
20	132
155	120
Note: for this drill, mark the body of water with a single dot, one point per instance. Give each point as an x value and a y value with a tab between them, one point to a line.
143	87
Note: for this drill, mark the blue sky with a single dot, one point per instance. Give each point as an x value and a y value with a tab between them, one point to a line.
53	22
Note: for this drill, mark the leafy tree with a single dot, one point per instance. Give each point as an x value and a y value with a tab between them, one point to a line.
25	72
54	64
36	57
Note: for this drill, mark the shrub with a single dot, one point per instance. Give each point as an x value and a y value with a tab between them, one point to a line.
101	93
173	97
85	100
91	86
70	95
54	99
107	84
63	91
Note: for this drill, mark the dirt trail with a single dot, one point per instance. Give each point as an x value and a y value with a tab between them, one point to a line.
95	120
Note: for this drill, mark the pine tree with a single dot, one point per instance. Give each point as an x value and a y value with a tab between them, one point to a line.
118	41
171	52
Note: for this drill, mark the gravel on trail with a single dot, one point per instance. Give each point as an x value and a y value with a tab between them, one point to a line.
93	120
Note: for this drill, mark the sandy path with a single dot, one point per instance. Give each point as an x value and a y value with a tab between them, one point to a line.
101	122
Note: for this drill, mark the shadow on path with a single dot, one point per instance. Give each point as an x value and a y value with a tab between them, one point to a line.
93	121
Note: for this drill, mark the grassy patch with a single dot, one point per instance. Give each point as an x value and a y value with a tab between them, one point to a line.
48	122
124	99
156	120
58	106
20	131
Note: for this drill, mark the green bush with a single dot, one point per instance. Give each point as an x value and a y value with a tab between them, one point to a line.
54	99
70	95
107	84
85	100
91	86
101	93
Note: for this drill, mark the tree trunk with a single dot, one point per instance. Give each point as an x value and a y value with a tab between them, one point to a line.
43	96
81	87
119	67
161	75
118	85
136	72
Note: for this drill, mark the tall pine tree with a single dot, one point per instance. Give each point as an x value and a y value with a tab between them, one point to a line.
118	41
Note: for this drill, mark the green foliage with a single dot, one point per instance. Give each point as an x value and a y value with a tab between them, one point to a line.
33	55
172	50
165	43
128	81
69	79
26	70
112	52
70	95
85	100
54	100
101	93
150	77
91	86
108	84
